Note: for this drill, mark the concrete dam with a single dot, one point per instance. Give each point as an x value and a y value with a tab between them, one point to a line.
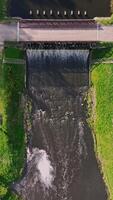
60	161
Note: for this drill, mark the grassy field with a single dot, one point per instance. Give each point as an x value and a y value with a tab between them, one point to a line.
12	145
101	112
3	8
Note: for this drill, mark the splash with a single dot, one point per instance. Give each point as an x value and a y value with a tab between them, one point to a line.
45	168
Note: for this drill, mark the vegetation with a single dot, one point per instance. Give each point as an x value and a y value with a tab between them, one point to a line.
3	8
112	6
104	51
11	122
101	118
105	20
14	53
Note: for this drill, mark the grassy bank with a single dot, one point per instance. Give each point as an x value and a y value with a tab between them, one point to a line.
105	20
11	122
3	8
101	115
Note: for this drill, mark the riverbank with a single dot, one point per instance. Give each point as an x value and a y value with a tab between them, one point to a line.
12	138
105	20
101	111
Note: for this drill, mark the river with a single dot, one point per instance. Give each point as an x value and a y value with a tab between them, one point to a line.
61	163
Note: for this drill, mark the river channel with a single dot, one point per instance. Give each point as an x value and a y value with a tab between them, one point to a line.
61	163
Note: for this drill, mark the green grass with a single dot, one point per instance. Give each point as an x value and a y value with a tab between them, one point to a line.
3	8
12	129
105	20
14	53
102	114
104	51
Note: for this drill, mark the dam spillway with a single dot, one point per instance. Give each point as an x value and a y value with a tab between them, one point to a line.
61	163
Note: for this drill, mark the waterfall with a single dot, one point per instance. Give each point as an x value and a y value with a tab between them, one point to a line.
61	163
63	59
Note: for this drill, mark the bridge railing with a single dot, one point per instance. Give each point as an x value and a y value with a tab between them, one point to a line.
58	24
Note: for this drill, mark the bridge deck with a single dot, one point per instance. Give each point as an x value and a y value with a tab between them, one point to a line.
55	31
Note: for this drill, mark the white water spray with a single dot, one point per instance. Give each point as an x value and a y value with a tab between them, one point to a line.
45	168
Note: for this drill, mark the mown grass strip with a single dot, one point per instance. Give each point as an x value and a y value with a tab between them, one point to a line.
102	114
12	139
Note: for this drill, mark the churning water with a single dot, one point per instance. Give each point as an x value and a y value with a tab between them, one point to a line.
61	163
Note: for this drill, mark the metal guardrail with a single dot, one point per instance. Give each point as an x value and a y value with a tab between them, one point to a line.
58	24
14	61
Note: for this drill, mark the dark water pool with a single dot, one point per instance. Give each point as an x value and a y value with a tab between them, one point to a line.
93	8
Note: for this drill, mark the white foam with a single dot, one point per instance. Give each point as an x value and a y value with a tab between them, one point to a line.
45	168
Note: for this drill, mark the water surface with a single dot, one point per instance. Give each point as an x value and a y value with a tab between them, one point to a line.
61	163
93	8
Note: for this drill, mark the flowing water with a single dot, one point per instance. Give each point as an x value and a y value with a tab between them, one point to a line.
61	163
93	8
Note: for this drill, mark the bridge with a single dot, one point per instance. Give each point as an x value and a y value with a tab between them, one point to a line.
49	30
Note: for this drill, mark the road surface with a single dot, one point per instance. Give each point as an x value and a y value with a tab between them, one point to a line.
10	32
